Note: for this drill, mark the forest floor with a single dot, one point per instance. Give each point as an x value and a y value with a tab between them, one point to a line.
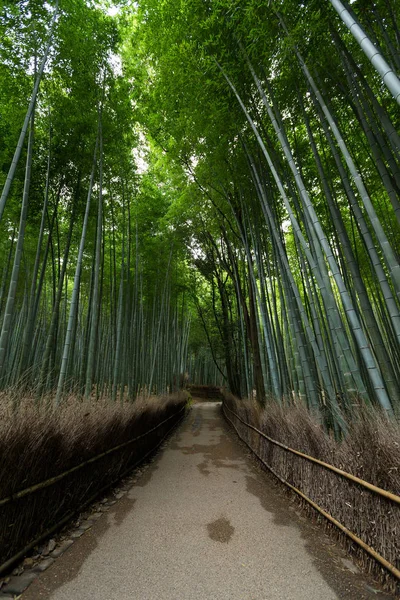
203	522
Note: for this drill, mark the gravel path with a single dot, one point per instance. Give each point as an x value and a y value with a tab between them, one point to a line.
203	523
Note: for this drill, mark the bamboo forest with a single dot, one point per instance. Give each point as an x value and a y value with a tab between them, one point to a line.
200	198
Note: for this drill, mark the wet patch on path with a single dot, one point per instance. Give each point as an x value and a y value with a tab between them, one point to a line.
220	530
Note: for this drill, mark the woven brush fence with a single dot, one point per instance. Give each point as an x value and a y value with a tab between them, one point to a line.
206	392
365	506
52	465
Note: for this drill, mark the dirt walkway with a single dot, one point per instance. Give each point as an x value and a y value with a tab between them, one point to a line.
202	523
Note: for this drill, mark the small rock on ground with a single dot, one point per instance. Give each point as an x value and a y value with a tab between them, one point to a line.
77	534
18	584
62	548
43	565
50	546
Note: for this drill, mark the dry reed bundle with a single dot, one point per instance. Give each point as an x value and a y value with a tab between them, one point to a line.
371	451
36	445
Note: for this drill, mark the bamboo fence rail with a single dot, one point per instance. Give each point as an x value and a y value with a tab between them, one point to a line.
369	486
5	567
52	480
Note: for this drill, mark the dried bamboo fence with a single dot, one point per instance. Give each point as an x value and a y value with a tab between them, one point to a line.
366	514
31	514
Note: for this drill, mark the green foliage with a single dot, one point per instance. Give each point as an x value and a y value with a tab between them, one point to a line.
250	184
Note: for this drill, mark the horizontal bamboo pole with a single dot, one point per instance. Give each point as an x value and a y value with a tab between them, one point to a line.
369	486
386	564
52	480
11	561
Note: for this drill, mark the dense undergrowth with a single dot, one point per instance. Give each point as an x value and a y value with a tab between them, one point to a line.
370	451
36	445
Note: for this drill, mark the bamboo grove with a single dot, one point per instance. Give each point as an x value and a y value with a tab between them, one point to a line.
87	301
284	118
267	213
